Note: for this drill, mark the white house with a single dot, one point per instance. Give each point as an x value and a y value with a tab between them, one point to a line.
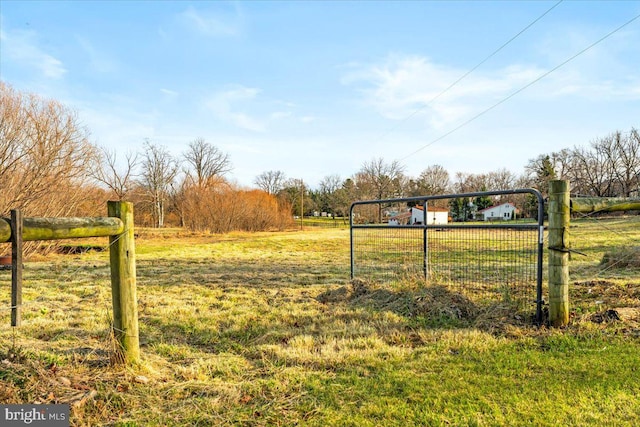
400	219
503	212
435	216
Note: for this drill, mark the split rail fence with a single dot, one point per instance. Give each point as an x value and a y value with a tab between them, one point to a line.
118	226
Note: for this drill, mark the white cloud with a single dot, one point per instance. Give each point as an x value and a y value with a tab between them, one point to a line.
248	109
223	105
169	92
278	115
98	61
214	24
22	47
117	129
400	86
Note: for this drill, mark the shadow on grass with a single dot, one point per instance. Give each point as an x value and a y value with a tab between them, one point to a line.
261	274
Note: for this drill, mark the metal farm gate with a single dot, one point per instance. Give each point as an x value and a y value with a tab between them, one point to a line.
489	255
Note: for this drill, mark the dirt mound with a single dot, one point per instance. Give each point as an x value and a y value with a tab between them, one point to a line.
621	314
334	295
438	301
432	302
503	319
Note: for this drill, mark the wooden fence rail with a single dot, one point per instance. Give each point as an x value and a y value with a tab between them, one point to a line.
62	228
118	226
603	204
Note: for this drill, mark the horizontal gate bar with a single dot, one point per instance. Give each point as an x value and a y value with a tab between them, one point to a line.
63	228
531	191
532	226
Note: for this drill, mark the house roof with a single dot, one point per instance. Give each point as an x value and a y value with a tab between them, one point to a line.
495	207
402	215
432	209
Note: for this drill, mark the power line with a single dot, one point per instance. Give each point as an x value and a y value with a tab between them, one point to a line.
478	65
480	114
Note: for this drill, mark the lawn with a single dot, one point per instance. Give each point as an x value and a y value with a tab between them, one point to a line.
266	329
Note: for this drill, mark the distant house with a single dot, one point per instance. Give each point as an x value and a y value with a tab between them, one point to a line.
503	212
435	216
400	219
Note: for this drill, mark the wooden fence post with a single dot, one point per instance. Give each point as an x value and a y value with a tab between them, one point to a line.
123	283
16	267
559	214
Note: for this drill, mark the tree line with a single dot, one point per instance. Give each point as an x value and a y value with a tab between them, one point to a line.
49	167
607	167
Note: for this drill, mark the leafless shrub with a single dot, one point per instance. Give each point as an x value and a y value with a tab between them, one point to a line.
220	208
45	155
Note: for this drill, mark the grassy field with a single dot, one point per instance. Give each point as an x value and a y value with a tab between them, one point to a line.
327	222
266	329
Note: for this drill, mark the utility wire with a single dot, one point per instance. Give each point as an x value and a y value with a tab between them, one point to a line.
480	114
633	252
478	65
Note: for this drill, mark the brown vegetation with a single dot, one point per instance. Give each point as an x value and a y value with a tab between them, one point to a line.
43	156
622	258
222	208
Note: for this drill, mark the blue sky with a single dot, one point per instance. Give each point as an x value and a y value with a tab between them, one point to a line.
319	88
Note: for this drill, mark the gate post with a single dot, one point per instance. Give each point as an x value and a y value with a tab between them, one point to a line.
123	283
16	267
425	241
559	208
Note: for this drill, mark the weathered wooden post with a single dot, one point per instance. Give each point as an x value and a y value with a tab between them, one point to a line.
123	283
16	267
559	213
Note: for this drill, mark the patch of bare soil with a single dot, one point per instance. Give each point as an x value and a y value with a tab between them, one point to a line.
628	315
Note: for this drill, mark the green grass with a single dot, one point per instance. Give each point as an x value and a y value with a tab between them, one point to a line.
327	222
265	329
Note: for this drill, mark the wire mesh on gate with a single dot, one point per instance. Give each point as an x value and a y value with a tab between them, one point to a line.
488	262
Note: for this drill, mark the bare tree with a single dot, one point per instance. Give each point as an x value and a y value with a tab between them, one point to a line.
270	182
380	180
330	183
207	162
501	179
159	170
434	180
623	153
119	180
14	139
592	171
609	166
294	193
562	163
470	182
45	155
330	194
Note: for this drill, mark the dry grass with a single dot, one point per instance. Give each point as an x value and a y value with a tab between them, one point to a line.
266	329
622	258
